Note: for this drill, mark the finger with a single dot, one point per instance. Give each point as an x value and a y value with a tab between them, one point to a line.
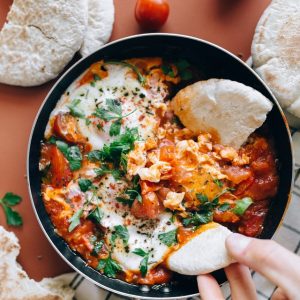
209	288
241	283
268	258
279	295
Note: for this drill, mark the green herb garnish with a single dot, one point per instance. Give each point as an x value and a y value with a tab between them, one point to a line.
183	69
224	207
132	193
197	219
75	110
120	232
96	215
115	150
206	208
115	128
72	154
74	157
94	156
84	184
202	198
109	266
218	183
167	70
104	170
226	190
141	78
97	247
242	205
13	218
168	238
75	220
144	261
62	146
112	112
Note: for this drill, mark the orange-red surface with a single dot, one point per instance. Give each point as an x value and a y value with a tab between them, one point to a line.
228	23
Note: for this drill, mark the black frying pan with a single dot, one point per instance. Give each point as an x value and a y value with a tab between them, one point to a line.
212	61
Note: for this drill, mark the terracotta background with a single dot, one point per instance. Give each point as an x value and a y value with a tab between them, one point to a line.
228	23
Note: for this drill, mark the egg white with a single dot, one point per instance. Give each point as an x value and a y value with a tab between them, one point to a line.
115	86
118	85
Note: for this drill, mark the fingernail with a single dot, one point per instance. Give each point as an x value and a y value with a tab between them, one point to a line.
237	243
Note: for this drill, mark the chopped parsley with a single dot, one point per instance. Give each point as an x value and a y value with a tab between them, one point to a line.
97	248
168	238
96	215
224	207
113	112
115	128
116	149
75	220
84	184
74	157
109	266
120	232
197	219
132	193
226	190
183	67
242	205
13	218
167	70
72	154
75	110
202	198
141	78
104	170
206	208
144	261
96	77
218	183
94	156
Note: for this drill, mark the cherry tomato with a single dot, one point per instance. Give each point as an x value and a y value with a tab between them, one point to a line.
151	14
60	172
148	209
65	126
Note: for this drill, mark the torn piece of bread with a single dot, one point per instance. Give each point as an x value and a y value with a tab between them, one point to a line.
100	24
15	283
204	253
229	110
276	52
39	38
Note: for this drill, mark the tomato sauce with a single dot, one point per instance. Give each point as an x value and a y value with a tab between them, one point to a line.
204	176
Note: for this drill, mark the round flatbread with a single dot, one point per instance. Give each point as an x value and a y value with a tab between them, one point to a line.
39	38
229	110
15	283
100	24
204	253
276	52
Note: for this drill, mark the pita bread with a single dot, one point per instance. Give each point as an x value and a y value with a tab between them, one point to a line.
100	25
231	111
204	253
39	38
15	283
276	52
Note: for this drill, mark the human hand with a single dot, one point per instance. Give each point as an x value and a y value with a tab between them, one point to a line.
273	261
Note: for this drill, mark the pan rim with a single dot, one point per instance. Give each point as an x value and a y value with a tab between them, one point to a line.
67	73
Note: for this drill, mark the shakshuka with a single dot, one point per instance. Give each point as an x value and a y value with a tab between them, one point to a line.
125	183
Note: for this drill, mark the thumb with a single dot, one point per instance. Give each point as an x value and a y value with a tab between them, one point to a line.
268	258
